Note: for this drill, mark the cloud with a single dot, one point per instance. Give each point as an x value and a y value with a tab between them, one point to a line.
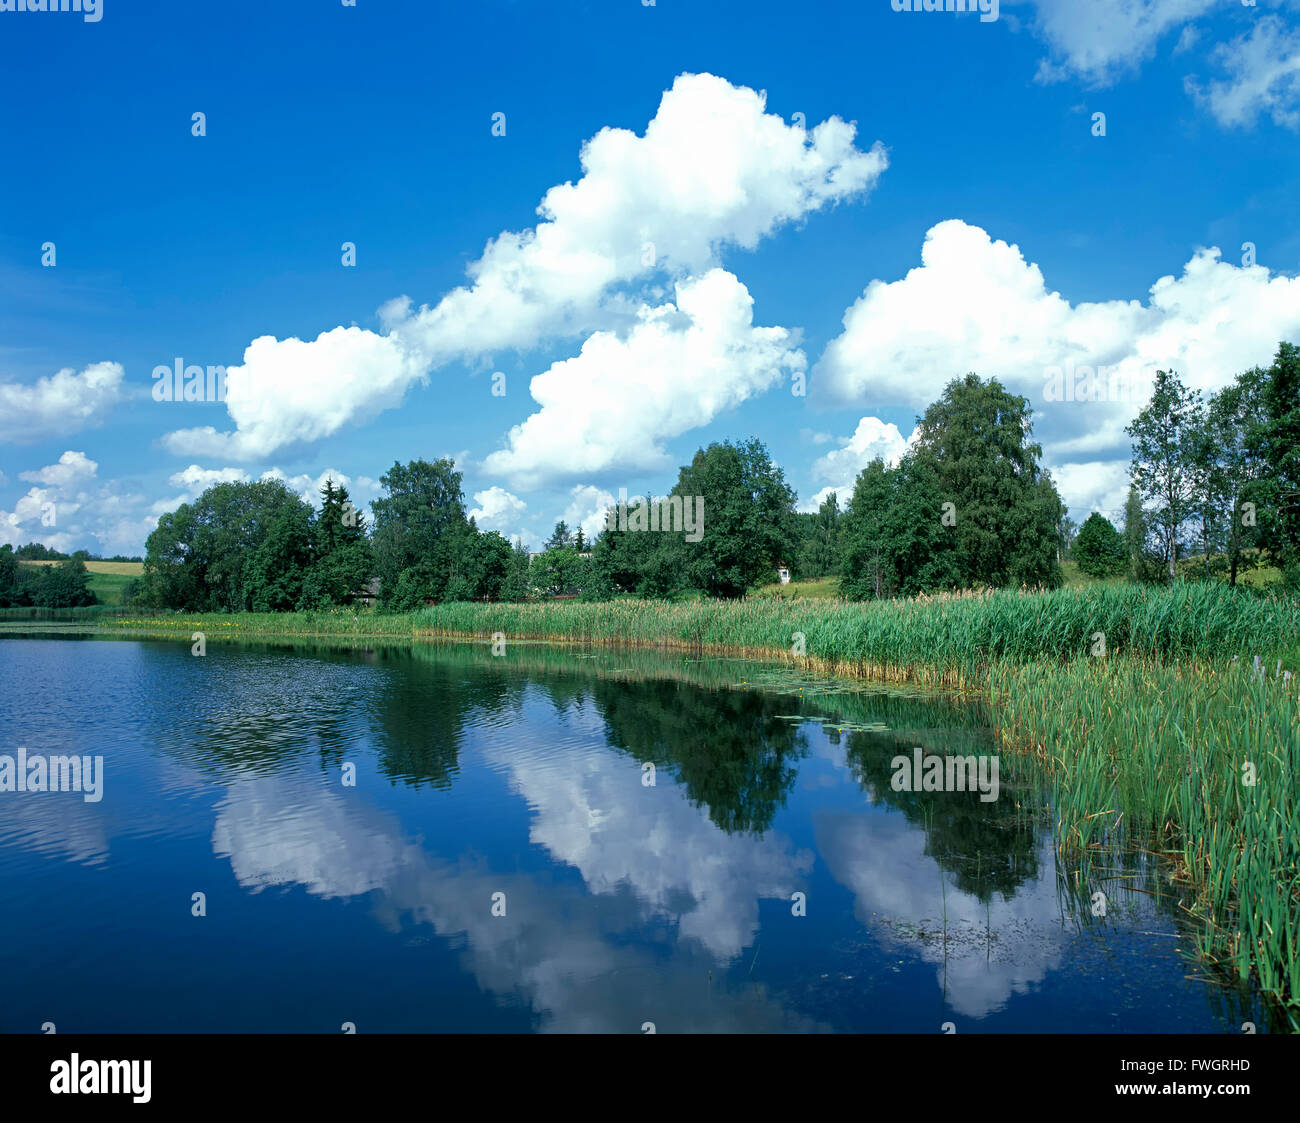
1101	41
872	438
1093	486
613	404
197	480
71	509
72	468
360	490
975	304
712	170
1263	77
587	507
497	509
288	390
59	404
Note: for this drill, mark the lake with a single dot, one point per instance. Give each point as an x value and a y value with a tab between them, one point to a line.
436	839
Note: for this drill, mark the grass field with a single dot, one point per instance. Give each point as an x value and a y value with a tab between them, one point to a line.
122	569
816	588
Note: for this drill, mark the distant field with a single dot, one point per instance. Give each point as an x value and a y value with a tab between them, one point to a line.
819	587
107	579
121	569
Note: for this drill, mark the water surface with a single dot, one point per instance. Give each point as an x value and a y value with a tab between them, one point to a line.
520	784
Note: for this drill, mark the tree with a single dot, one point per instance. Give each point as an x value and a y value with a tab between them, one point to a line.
1005	509
821	539
640	562
561	538
1067	529
344	562
749	518
896	542
420	529
1098	548
237	547
1280	445
66	585
1234	446
516	586
554	571
15	585
1166	450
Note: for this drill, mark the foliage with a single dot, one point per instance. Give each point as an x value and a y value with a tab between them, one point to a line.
65	585
1098	548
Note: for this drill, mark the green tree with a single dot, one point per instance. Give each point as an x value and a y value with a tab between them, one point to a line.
561	538
420	530
1098	547
1280	445
896	542
344	562
237	547
1235	449
66	585
555	571
749	518
1068	529
821	539
516	585
976	440
14	584
1166	451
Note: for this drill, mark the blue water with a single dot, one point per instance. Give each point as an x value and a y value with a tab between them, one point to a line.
624	903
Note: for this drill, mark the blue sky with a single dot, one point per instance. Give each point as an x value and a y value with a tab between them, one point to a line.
715	246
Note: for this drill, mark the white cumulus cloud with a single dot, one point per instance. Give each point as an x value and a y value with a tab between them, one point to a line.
872	438
713	169
60	404
614	404
497	509
976	304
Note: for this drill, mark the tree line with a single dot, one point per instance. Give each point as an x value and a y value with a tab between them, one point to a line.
968	505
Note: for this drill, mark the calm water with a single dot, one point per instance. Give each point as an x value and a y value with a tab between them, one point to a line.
524	775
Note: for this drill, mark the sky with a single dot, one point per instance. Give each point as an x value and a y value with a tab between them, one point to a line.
568	244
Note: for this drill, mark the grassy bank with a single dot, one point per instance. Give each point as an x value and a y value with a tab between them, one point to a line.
1151	745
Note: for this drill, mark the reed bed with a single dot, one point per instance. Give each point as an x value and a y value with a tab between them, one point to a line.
1200	762
949	637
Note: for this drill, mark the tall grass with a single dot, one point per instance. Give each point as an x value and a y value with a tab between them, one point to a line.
957	638
940	638
1200	761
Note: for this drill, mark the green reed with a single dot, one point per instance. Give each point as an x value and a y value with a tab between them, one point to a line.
1199	761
